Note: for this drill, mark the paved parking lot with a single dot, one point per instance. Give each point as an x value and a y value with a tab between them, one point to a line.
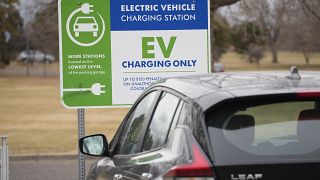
47	167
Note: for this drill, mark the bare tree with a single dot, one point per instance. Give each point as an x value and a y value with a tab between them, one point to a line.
215	4
302	29
45	29
271	16
312	6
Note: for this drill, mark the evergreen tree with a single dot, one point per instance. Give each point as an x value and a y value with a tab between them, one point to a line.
10	30
248	39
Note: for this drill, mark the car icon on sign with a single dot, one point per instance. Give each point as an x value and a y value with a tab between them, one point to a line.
85	24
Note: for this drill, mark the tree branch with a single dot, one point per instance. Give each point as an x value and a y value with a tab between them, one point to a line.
215	4
306	5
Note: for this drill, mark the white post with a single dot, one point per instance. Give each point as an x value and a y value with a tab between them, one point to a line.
4	153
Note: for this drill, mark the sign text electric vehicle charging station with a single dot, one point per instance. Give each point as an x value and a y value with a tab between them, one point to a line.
111	50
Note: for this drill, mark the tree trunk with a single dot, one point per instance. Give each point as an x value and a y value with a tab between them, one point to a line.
274	52
215	4
4	54
1	59
250	59
306	57
258	64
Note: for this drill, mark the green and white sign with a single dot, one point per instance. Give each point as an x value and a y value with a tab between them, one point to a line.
85	53
112	50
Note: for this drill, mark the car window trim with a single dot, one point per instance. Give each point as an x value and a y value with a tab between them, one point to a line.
124	156
148	116
148	121
182	99
159	90
132	109
171	121
170	132
173	92
175	119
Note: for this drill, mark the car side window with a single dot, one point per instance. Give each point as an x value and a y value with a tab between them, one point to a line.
157	132
130	136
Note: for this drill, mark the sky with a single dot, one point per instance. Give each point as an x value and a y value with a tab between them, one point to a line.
28	9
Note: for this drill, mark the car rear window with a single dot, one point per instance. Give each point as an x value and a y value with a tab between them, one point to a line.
265	129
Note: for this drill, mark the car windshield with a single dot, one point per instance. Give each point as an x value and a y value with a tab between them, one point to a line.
85	20
262	130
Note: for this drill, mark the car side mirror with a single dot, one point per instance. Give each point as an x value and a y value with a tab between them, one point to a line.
94	145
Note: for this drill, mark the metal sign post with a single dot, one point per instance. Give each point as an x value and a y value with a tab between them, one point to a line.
4	159
81	133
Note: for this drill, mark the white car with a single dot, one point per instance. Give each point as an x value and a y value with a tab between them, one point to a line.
218	67
86	24
35	56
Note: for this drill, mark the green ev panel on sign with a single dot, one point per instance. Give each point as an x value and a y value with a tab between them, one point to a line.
112	50
85	53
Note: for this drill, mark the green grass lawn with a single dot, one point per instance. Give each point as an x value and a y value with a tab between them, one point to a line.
36	122
237	62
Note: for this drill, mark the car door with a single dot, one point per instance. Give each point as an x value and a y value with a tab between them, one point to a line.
127	139
147	161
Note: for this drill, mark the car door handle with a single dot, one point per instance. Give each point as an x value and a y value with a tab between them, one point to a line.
117	177
146	176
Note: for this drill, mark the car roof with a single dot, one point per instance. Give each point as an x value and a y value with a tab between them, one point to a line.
208	89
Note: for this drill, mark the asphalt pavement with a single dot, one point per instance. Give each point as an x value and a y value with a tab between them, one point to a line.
53	167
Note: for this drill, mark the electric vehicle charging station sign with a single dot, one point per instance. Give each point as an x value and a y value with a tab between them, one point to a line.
112	50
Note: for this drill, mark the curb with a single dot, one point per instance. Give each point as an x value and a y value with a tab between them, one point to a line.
47	157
